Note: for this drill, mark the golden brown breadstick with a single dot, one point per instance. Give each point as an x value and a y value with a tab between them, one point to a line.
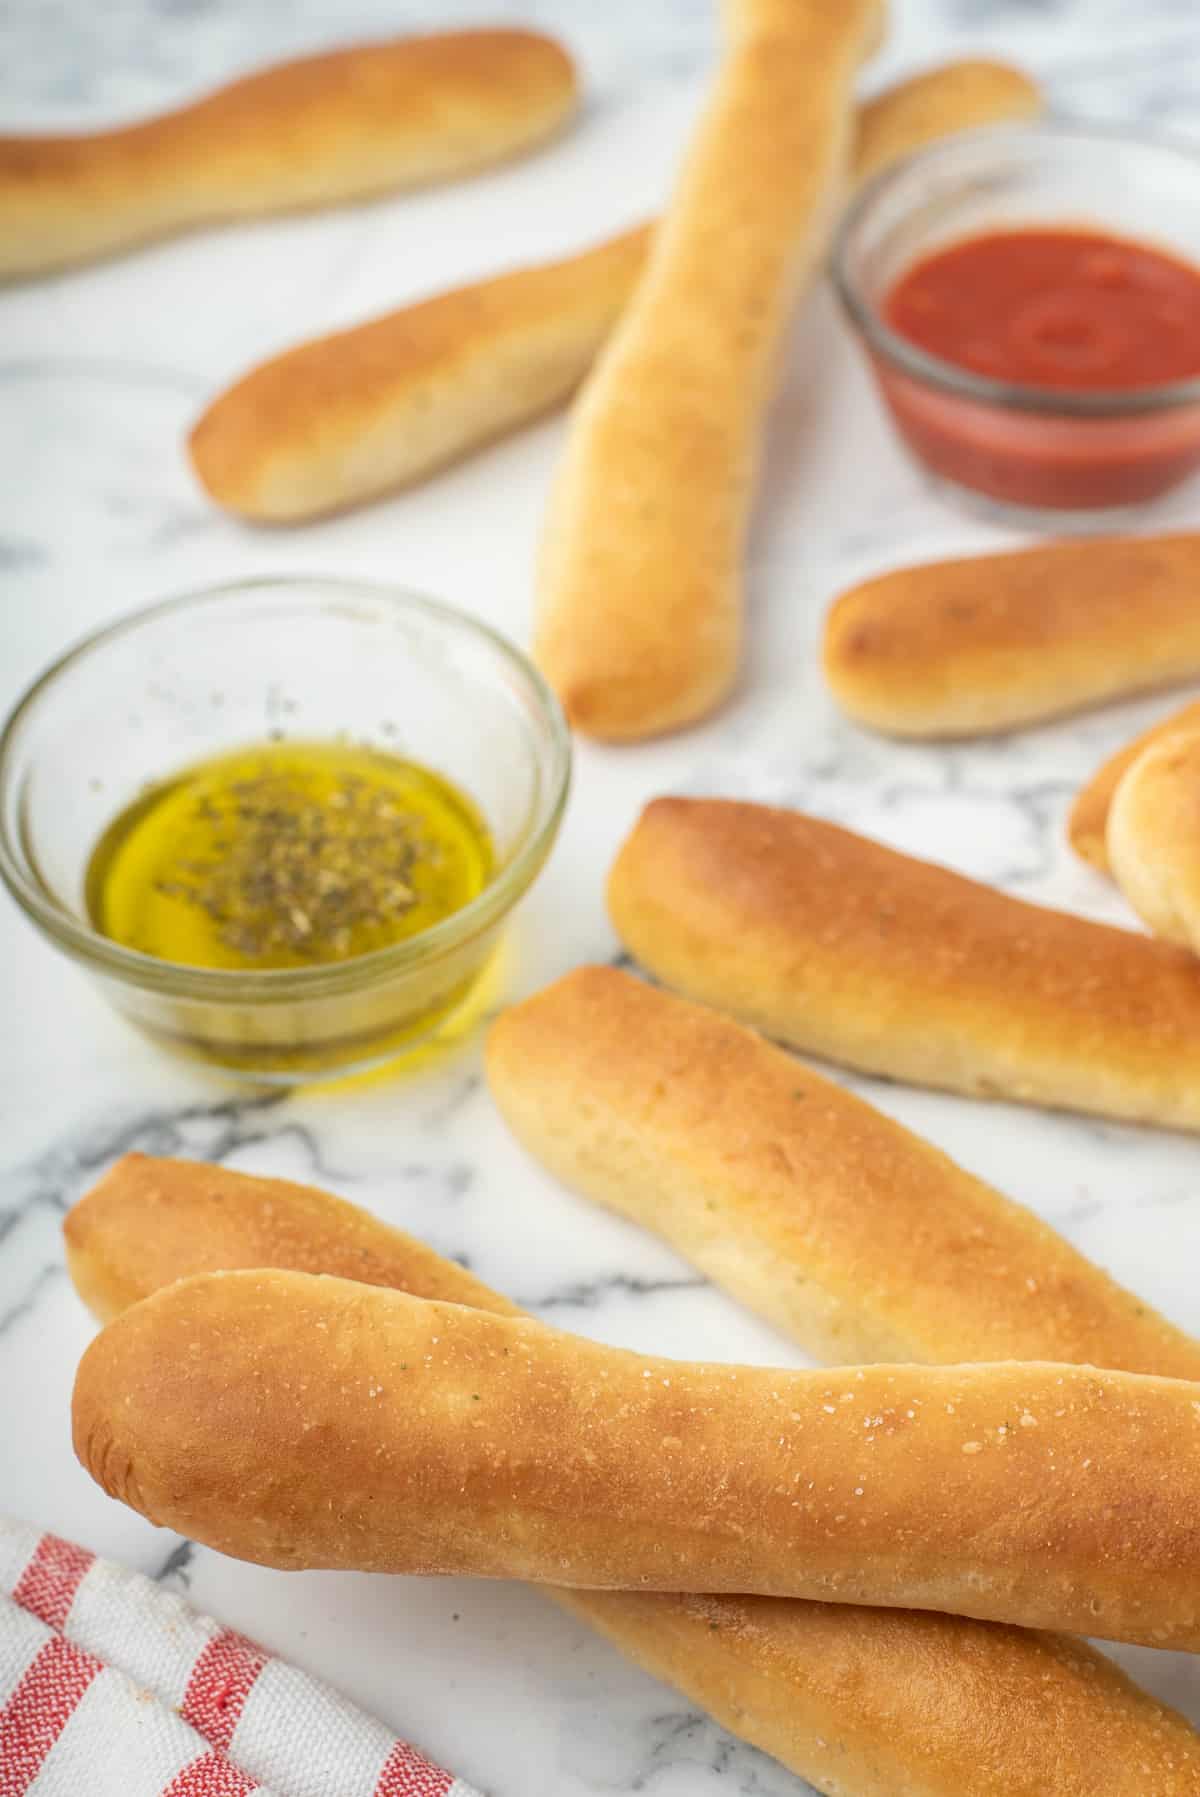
1154	838
338	126
850	951
347	417
879	1703
1087	825
640	601
988	644
852	1235
151	1221
301	1421
344	418
958	96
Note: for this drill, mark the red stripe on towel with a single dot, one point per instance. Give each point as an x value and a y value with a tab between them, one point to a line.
408	1773
39	1709
48	1584
212	1775
220	1683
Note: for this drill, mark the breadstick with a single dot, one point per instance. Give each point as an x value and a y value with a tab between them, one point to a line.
640	601
872	1703
343	125
1088	823
989	644
958	96
345	418
849	1233
150	1221
301	1421
1154	838
847	950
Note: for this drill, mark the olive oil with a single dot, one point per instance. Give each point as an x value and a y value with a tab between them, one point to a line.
287	855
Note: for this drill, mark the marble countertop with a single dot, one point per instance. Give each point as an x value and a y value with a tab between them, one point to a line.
100	372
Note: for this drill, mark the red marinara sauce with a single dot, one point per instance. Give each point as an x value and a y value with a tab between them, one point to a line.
1068	312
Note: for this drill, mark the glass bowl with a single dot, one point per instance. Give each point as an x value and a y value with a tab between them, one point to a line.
1030	455
226	668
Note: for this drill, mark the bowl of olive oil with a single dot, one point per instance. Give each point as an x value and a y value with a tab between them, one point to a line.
284	821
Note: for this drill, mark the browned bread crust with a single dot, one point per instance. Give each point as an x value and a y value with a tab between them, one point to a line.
343	125
848	1232
995	642
865	1703
640	586
958	96
906	1703
847	950
1154	837
1087	826
302	1421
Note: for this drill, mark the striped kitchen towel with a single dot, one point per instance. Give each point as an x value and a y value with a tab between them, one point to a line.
113	1687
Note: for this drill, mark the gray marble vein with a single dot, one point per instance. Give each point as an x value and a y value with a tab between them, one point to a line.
588	1294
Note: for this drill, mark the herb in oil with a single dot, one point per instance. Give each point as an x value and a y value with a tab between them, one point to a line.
287	854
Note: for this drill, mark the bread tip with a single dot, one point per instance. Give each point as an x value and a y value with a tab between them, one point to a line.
562	58
593	979
1086	837
599	709
583	706
579	983
556	50
210	446
132	1160
76	1223
481	46
627	705
91	1434
667	807
197	448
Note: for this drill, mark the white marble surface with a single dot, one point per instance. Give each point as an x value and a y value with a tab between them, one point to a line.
99	374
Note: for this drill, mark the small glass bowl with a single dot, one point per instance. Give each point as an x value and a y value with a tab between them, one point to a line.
225	668
1030	455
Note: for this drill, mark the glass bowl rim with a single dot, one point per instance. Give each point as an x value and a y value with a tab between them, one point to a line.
1013	396
291	984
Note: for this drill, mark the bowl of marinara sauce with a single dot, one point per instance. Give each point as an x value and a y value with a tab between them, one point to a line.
1029	300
